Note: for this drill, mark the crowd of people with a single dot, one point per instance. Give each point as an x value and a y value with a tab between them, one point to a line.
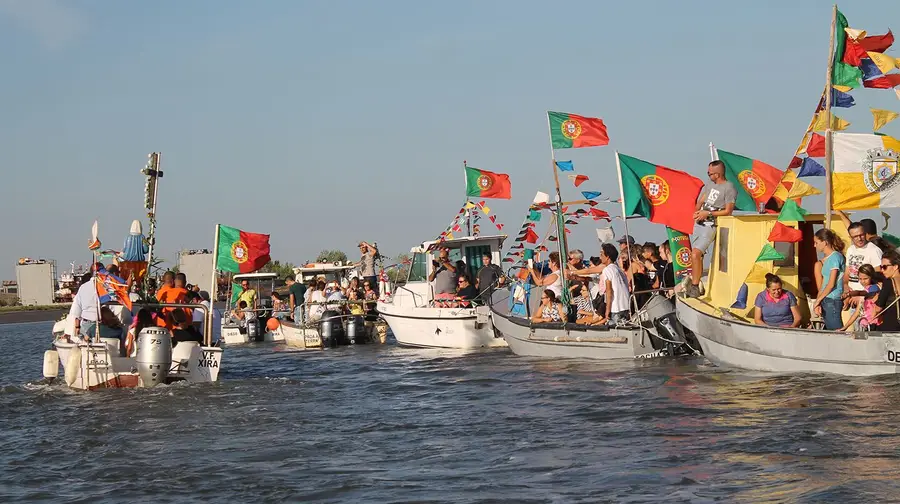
453	282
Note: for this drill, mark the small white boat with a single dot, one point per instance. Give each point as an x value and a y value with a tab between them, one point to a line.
98	364
256	329
416	320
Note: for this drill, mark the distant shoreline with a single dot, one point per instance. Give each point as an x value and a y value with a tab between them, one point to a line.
21	316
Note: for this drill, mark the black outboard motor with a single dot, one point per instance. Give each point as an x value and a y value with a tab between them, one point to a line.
660	312
356	330
332	329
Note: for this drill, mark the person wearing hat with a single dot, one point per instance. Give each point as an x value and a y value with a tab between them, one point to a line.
626	243
366	263
489	276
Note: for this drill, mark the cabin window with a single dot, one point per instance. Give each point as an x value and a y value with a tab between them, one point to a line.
787	250
723	250
417	269
473	258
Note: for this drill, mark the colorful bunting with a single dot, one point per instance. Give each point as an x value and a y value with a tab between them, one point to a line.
590	194
768	253
600	214
606	235
843	89
884	62
877	43
881	117
816	147
837	124
485	209
884	82
801	189
534	215
869	70
811	168
578	179
855	34
791	211
841	100
531	236
783	233
781	192
757	274
796	162
565	165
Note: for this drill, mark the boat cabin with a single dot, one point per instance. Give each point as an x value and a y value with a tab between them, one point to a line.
263	284
329	272
418	290
738	243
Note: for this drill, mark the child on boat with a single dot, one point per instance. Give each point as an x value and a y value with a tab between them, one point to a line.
865	311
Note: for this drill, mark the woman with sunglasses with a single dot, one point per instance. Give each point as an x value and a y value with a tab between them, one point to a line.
886	306
828	303
550	310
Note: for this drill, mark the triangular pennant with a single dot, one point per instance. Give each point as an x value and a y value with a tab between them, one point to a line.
841	99
565	165
553	238
570	221
782	233
768	253
578	179
816	147
606	235
877	43
787	181
534	215
590	194
791	211
485	209
881	117
843	89
855	34
469	204
884	62
796	162
493	218
801	189
598	214
837	124
757	274
811	168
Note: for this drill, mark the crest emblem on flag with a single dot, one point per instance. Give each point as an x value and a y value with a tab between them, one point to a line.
657	189
753	183
683	257
485	182
571	129
880	169
239	252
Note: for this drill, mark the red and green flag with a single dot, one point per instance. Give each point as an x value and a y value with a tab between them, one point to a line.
485	184
239	251
570	131
660	194
680	246
754	180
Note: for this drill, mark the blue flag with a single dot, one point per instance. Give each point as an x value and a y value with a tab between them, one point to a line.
841	99
811	168
566	165
590	194
869	70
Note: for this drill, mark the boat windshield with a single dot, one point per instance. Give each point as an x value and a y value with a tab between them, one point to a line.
418	269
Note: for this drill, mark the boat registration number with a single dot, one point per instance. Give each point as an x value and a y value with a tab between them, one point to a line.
893	356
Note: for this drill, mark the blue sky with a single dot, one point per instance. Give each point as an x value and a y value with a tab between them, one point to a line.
324	123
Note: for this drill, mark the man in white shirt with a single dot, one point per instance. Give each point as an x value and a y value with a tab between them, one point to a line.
861	251
617	292
84	310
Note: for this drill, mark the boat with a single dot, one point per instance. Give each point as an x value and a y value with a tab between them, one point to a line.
234	333
98	364
724	326
417	321
337	326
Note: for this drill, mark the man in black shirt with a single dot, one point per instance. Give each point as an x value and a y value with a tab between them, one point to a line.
489	276
296	291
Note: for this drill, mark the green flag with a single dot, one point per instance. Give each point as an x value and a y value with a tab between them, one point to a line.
680	246
534	215
236	291
791	211
768	253
893	240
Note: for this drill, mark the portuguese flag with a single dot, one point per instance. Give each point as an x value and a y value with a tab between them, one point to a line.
680	246
660	194
485	184
573	131
239	251
754	180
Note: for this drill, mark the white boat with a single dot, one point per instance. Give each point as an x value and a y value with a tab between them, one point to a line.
654	332
730	339
97	364
253	330
414	318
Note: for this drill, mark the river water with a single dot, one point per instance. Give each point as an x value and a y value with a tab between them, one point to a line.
387	424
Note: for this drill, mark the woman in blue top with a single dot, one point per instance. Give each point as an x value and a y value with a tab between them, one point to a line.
828	302
775	306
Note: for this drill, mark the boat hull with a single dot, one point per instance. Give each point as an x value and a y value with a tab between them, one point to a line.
425	327
297	336
737	344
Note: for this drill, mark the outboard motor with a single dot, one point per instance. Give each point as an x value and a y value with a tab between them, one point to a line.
356	330
331	329
659	312
253	330
154	355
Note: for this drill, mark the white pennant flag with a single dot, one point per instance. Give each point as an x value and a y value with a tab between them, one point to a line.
606	235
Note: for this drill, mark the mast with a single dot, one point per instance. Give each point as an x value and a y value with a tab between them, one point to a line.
624	215
213	289
560	223
468	213
151	189
828	132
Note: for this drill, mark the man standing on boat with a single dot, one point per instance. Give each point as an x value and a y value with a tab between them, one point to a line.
716	200
617	293
443	274
366	264
84	308
296	297
489	276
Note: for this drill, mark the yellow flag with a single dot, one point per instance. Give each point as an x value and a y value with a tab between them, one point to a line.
469	205
781	192
884	62
801	189
485	209
757	274
843	89
891	143
449	236
804	142
855	34
837	124
882	117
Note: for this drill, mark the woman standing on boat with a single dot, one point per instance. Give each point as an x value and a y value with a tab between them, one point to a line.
552	281
888	307
828	303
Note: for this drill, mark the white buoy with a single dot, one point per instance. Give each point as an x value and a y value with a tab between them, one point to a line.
73	366
51	364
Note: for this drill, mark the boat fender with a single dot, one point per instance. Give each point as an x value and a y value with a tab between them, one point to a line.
73	366
51	364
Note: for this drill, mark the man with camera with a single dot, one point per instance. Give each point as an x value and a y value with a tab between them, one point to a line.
443	274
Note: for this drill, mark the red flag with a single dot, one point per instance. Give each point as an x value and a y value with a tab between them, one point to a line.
816	147
112	288
854	52
600	214
782	233
884	82
531	236
579	179
796	163
877	43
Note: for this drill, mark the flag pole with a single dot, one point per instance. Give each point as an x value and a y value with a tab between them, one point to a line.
468	214
713	155
828	132
213	295
624	215
560	224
